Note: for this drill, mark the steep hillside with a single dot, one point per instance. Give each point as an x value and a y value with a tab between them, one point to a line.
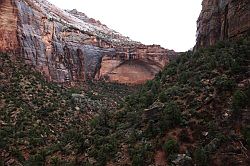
67	46
44	123
196	111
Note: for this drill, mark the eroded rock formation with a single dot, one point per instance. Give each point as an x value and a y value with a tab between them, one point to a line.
8	26
67	46
222	20
134	64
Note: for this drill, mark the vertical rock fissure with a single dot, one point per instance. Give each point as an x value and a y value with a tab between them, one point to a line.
225	30
81	71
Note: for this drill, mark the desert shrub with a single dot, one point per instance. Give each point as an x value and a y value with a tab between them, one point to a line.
211	62
55	161
101	156
184	76
195	81
140	154
223	83
173	91
3	138
184	136
137	159
149	84
18	154
72	135
236	67
224	58
169	70
155	87
152	129
163	97
239	101
172	70
201	157
94	122
36	141
171	115
147	99
246	134
171	146
38	159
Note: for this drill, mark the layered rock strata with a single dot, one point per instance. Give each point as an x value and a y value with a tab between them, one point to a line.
133	64
222	20
67	46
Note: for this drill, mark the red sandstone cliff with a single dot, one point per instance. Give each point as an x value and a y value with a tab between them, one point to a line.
67	46
221	20
134	64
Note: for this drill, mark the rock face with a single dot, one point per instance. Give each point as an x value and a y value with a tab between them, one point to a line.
222	20
8	26
133	64
67	46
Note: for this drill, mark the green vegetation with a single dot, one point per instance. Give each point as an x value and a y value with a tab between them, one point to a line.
240	101
201	157
171	116
171	147
200	100
246	134
201	92
41	122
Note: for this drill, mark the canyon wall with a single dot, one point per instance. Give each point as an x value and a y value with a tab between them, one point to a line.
68	47
134	64
8	26
222	20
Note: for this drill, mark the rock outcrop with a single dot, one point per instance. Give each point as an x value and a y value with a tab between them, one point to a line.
222	20
68	47
8	26
134	64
